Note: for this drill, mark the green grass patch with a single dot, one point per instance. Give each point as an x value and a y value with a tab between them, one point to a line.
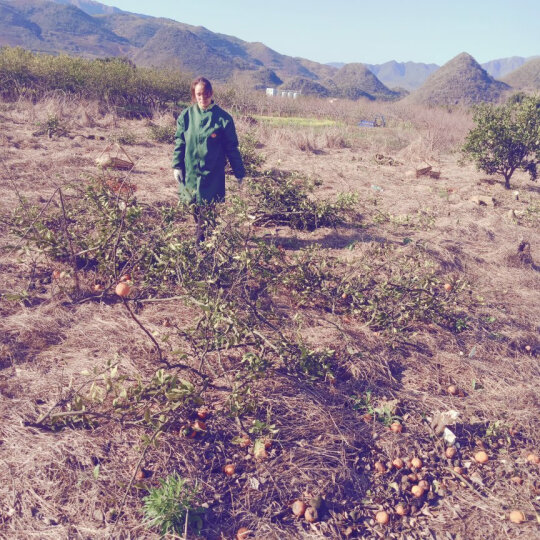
296	121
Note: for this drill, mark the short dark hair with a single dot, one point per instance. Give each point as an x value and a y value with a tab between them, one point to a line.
207	85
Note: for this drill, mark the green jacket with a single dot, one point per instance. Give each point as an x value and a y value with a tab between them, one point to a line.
204	138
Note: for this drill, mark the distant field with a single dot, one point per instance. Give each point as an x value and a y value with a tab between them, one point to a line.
287	121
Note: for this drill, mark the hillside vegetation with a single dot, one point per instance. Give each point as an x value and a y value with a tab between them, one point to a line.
460	81
114	81
526	77
354	81
358	334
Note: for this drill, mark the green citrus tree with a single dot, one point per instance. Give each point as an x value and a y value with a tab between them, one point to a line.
506	138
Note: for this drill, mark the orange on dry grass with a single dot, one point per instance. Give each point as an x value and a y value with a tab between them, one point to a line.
481	457
311	515
298	508
382	517
122	289
402	509
245	441
424	484
517	516
242	533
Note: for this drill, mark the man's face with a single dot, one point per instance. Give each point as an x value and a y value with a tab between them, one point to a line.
204	98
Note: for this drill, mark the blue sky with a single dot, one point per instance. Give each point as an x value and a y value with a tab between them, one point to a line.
369	31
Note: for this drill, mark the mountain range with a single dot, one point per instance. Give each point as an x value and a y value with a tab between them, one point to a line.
91	29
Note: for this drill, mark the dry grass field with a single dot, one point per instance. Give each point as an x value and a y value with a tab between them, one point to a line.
363	358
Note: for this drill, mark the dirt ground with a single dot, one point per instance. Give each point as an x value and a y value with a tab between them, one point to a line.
475	229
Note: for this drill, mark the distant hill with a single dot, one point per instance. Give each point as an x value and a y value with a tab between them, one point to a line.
50	27
90	7
501	67
307	87
526	77
412	75
354	81
322	71
407	75
176	47
283	65
259	79
462	80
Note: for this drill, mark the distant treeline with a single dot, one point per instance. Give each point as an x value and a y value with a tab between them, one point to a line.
116	81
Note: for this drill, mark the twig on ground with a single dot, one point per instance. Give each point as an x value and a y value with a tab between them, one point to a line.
152	338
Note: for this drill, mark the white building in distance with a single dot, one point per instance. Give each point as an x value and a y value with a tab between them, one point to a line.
282	93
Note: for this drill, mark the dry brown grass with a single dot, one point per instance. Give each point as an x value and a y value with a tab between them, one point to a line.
50	484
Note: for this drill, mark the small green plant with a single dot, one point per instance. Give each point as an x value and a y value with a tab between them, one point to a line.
384	411
530	217
51	127
363	402
316	364
170	508
497	430
162	134
385	414
241	401
255	364
125	137
260	428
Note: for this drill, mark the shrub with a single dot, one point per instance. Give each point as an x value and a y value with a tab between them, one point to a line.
125	137
283	198
162	134
506	138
